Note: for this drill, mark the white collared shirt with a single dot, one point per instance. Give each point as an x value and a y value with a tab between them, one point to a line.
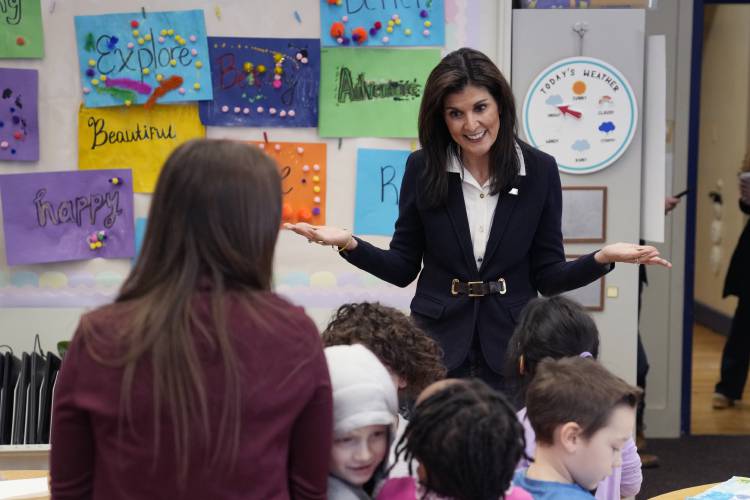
480	204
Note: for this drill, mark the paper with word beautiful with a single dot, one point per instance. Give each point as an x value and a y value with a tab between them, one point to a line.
136	138
372	92
61	216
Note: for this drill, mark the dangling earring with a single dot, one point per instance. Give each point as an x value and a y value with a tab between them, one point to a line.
521	365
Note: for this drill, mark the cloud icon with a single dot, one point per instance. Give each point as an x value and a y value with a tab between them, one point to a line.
607	127
581	145
554	100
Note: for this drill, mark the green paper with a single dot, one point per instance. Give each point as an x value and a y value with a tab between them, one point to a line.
372	92
21	18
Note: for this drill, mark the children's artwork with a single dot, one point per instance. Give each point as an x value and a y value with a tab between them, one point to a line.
736	488
379	174
60	216
372	92
138	58
21	33
136	138
263	82
140	233
380	23
19	122
303	179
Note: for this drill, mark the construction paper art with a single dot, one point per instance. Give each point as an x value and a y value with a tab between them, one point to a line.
379	175
60	216
21	33
136	138
137	58
372	92
303	179
375	23
19	120
263	82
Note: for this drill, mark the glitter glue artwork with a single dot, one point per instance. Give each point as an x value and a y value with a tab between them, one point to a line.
19	120
132	58
263	82
303	179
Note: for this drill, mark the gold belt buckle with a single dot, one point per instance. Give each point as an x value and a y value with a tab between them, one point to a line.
504	286
470	283
455	282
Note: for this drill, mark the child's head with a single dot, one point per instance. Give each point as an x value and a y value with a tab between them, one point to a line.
583	414
413	358
466	438
553	327
365	408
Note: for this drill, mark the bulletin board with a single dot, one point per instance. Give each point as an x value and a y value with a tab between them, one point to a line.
309	275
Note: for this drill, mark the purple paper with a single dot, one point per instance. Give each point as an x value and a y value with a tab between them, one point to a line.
56	216
19	123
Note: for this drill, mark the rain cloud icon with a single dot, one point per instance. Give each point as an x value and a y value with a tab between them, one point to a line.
554	100
581	145
607	127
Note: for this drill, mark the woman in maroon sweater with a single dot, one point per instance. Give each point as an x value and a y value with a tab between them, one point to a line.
198	382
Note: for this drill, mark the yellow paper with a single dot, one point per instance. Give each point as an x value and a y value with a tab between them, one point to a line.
135	138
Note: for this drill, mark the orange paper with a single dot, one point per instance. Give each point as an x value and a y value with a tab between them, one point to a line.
303	174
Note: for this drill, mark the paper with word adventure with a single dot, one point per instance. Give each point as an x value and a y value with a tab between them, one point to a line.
379	176
21	34
19	121
263	82
143	58
372	92
61	216
381	23
137	138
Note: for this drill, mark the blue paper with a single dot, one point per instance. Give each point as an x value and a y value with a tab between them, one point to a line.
379	175
140	232
243	72
413	18
165	44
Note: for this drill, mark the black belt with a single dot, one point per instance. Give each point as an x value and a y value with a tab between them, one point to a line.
478	288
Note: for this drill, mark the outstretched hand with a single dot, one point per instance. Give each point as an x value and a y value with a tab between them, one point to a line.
324	235
630	253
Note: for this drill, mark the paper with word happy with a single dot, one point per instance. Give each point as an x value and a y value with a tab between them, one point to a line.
303	179
137	58
377	23
263	82
19	118
137	138
21	34
61	216
372	92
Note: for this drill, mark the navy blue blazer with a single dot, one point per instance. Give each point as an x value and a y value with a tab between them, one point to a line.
524	247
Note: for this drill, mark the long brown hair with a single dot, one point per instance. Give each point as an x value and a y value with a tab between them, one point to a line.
214	221
457	70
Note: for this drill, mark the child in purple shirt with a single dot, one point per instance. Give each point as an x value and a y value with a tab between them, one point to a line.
554	328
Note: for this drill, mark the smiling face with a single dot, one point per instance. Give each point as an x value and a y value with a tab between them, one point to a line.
473	120
357	454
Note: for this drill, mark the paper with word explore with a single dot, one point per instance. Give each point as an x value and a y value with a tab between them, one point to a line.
372	92
60	216
132	58
136	138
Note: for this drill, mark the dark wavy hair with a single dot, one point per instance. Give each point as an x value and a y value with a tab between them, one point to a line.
549	327
455	72
393	337
468	439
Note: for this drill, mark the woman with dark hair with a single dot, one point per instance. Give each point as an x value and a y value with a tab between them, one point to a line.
198	382
479	221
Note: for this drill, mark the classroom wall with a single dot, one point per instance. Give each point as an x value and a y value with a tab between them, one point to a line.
482	24
724	134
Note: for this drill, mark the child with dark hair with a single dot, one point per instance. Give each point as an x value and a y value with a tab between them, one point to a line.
412	358
582	416
467	441
556	328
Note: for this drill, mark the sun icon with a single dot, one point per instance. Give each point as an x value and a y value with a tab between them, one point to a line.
579	87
